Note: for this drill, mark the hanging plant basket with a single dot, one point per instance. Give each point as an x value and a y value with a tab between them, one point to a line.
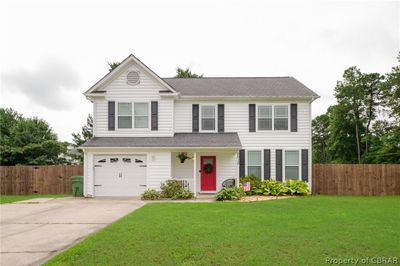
183	156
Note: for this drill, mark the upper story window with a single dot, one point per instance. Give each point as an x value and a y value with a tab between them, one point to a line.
281	117
264	117
254	163
124	115
292	164
141	115
208	118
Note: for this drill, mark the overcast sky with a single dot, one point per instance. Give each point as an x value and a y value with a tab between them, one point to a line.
51	53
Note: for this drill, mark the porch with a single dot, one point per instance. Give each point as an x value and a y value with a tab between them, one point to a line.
204	171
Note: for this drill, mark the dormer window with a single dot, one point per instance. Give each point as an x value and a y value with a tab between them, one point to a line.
132	78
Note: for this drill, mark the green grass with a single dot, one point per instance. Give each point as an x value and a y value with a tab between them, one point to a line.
14	198
296	231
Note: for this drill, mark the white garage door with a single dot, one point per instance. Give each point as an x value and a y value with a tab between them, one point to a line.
119	175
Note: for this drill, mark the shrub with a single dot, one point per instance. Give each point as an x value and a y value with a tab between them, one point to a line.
170	188
273	188
296	187
255	184
230	193
183	194
151	194
173	189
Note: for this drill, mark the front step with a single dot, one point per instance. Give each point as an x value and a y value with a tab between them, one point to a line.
205	196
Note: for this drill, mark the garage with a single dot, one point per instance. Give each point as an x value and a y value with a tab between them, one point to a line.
119	175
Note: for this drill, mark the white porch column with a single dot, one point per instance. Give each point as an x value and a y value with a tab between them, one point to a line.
194	174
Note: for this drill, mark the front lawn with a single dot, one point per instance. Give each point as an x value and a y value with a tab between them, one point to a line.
289	231
15	198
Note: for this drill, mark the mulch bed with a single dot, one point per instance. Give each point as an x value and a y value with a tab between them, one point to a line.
262	198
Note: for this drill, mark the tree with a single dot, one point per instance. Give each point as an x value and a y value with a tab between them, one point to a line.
373	96
186	73
28	141
113	65
350	95
79	139
391	92
320	133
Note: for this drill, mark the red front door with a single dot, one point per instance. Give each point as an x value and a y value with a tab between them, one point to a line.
208	173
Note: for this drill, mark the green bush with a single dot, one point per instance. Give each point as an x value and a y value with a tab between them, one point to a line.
151	194
170	188
183	194
255	184
296	187
273	188
230	193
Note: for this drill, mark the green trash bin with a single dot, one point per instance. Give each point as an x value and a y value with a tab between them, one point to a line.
77	186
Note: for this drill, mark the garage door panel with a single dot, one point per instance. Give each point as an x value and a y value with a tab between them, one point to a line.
120	175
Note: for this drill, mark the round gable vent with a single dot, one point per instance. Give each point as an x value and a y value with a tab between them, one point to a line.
132	78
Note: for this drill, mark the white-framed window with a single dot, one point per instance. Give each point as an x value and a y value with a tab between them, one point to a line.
141	115
133	115
264	115
208	117
292	164
254	162
124	115
281	117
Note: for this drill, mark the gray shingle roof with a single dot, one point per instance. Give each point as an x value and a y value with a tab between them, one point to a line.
242	86
212	140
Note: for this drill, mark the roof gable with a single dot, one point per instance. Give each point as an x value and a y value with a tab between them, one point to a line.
123	66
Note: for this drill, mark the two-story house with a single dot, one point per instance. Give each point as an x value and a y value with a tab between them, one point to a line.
229	127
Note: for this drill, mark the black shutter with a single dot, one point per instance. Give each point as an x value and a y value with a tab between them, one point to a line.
304	165
195	118
267	164
293	117
154	116
278	160
221	118
242	163
252	118
111	115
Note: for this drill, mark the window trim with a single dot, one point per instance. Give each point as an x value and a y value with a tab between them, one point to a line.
117	120
273	117
284	163
147	129
148	116
201	117
261	163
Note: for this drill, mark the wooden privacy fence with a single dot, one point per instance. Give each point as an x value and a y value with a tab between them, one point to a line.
356	179
329	179
48	179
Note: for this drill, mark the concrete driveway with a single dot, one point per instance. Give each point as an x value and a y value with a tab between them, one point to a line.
36	230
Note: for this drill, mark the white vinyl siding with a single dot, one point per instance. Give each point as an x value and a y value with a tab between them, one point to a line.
146	91
237	120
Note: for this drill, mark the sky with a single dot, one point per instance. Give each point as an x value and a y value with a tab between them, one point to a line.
53	51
